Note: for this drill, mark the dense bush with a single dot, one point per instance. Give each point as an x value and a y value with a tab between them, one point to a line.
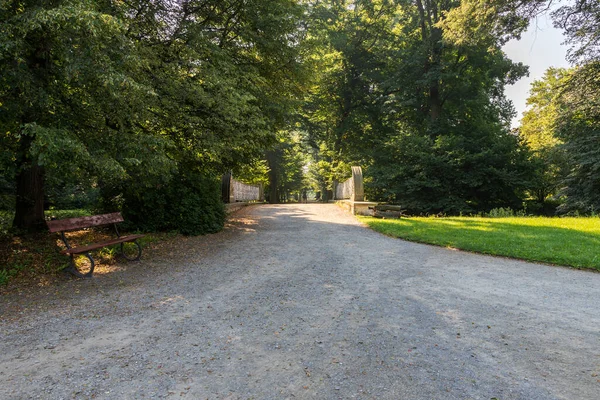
69	196
7	185
468	171
189	203
548	208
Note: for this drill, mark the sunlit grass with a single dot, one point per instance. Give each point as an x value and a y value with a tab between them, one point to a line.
564	241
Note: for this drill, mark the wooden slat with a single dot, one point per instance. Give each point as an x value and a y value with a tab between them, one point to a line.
94	246
388	214
389	207
71	224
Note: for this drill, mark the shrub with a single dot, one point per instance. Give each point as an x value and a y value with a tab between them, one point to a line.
547	208
501	212
190	203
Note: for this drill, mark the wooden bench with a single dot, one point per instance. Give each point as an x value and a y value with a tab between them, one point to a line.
387	211
74	224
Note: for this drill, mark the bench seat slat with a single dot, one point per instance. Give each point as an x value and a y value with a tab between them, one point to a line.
71	224
94	246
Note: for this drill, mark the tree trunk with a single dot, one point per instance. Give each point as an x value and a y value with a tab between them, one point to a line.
29	212
29	208
431	36
272	162
435	102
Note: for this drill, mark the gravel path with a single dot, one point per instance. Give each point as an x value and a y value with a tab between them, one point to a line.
300	301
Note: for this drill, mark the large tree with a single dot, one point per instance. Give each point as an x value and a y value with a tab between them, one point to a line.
538	130
131	92
68	93
578	126
425	113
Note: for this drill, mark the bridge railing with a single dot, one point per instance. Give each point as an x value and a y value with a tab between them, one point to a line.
352	188
233	191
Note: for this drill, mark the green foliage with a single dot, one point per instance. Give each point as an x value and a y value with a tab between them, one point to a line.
563	241
477	21
355	53
71	195
190	203
66	213
254	173
578	126
6	274
125	99
96	95
452	173
561	126
7	180
537	126
549	207
6	218
580	22
286	161
70	91
424	115
502	213
538	130
322	172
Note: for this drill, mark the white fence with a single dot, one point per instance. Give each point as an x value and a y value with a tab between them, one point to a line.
244	192
236	191
344	190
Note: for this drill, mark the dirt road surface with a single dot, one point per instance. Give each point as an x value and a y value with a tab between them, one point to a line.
302	302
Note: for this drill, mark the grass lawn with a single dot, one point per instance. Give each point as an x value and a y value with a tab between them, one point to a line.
564	241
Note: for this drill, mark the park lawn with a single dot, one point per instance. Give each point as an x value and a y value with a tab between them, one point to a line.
573	242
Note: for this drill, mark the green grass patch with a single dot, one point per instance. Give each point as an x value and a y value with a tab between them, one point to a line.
572	242
6	218
62	214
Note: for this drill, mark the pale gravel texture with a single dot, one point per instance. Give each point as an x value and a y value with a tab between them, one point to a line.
301	301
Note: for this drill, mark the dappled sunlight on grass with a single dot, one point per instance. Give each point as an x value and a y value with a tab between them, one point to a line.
565	241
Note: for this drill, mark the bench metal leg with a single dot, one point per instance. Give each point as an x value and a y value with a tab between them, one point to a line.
132	253
72	269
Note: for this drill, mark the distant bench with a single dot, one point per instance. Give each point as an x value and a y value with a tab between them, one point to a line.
74	224
388	211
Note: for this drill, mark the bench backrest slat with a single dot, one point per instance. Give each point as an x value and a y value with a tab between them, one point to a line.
71	224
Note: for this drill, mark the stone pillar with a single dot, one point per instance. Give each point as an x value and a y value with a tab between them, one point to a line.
335	185
358	194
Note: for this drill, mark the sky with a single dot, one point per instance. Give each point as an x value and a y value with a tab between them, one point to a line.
540	48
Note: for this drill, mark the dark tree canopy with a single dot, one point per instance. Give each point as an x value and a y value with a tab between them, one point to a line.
427	116
121	103
130	94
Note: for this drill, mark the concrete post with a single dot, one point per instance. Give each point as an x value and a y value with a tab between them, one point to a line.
358	194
